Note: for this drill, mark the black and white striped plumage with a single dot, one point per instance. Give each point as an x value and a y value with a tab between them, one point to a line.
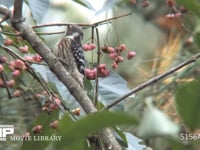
78	55
71	53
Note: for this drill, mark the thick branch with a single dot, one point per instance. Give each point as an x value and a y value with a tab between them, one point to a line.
17	14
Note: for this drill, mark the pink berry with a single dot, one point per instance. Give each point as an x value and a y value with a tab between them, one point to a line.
12	65
145	3
170	16
26	135
37	58
54	124
133	2
85	47
115	65
113	55
24	49
87	70
122	47
190	40
171	3
104	72
92	46
8	42
28	58
19	64
94	71
178	14
17	93
131	54
3	59
10	83
119	59
90	74
110	49
37	129
58	102
102	66
16	73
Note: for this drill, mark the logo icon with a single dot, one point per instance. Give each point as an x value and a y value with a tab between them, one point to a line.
5	130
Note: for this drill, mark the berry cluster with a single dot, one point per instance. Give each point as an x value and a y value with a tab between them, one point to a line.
15	66
24	49
37	129
91	74
89	46
49	105
116	54
174	12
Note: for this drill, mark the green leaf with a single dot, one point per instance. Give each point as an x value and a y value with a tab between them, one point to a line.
44	119
188	102
75	134
192	5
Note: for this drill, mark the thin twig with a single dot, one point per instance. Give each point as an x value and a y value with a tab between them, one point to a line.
180	22
154	80
86	25
49	33
92	42
60	24
98	62
110	19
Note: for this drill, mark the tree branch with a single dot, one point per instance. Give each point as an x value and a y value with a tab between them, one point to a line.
17	14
